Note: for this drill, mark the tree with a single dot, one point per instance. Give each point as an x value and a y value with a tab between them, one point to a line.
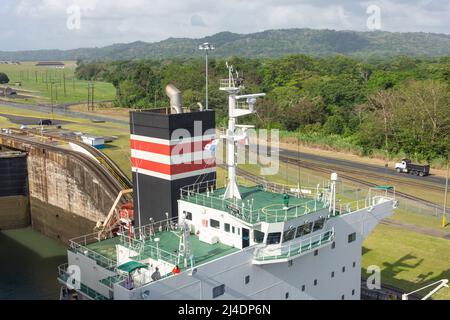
334	125
3	78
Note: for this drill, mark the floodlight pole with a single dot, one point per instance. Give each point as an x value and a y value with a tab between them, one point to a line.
207	47
444	214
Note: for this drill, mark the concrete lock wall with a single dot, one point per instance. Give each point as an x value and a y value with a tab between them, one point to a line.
68	192
66	197
14	212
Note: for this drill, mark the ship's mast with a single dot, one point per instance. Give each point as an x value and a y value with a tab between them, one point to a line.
235	110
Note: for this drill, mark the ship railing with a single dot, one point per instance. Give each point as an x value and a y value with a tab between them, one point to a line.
295	247
142	241
284	214
353	206
79	245
295	190
244	211
149	230
64	276
374	197
227	84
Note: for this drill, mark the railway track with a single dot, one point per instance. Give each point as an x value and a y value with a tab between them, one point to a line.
346	176
404	180
106	178
105	161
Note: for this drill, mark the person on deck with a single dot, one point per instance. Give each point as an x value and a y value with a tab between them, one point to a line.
176	270
156	275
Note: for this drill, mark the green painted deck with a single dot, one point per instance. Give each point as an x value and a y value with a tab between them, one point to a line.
168	245
257	205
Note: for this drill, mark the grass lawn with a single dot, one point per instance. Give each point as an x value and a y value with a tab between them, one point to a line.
408	260
38	80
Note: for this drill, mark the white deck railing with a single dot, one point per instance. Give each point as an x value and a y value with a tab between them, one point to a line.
294	248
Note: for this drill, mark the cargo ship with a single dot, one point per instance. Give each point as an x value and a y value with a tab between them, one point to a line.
187	237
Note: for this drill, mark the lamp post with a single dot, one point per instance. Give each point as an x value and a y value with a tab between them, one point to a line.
444	222
206	47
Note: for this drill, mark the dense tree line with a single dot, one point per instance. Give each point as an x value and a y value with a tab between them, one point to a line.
400	105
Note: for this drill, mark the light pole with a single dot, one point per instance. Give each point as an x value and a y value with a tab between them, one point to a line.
207	47
444	222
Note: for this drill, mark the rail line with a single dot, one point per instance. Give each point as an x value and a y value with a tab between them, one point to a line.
105	161
108	180
324	169
380	176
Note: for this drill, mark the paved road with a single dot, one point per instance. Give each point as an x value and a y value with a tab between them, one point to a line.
62	110
29	120
334	163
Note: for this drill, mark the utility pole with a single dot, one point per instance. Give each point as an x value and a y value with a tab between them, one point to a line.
51	96
207	47
444	214
91	89
64	82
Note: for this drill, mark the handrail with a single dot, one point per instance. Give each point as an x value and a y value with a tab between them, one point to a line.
203	194
295	247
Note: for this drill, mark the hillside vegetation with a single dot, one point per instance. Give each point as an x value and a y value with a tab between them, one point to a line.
398	106
270	43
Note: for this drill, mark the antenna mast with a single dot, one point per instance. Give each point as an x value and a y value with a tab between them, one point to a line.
233	87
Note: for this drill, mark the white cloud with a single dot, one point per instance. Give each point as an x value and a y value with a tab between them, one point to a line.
42	23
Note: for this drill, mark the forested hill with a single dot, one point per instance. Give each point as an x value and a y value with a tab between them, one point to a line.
271	43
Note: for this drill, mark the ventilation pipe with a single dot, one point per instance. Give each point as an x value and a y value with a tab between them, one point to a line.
175	98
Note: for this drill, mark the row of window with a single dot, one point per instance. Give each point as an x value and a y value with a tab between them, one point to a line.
304	229
220	290
227	227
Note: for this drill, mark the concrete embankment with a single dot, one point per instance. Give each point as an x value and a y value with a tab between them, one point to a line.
68	191
14	212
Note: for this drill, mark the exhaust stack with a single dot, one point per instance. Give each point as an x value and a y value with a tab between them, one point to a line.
175	98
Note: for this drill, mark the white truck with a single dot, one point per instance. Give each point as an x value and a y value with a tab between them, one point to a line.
406	166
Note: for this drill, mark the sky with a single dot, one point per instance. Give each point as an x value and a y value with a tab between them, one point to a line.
69	24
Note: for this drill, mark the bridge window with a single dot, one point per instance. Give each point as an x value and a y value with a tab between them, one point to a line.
343	297
304	229
258	236
351	237
287	295
188	215
288	235
274	238
214	224
247	279
332	274
353	292
227	227
303	288
354	264
315	282
318	224
218	291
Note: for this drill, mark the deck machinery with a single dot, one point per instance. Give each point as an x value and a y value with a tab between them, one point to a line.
194	239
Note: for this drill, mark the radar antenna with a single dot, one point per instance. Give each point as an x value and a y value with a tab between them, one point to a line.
235	110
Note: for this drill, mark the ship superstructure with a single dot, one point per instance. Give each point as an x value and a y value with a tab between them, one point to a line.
265	241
